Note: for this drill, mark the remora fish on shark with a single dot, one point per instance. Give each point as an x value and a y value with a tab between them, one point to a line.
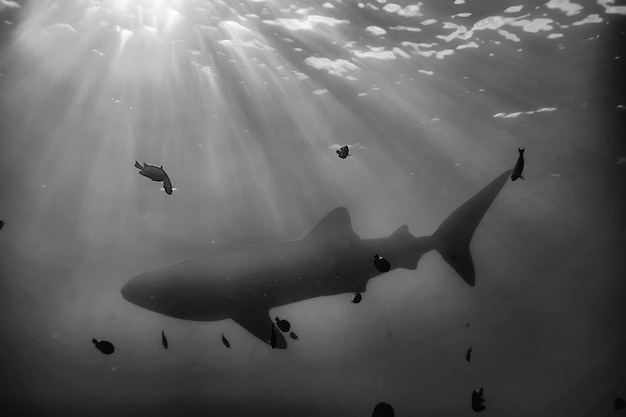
244	284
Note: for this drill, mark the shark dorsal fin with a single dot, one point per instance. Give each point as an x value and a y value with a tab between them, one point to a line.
402	233
336	225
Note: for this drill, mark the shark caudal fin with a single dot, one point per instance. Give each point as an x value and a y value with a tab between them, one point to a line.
137	165
453	236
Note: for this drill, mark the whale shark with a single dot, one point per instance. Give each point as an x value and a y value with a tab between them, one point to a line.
243	284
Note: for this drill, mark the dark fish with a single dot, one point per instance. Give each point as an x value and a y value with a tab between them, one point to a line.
273	336
383	409
519	166
155	173
104	346
381	263
1	224
293	336
468	354
225	341
478	400
356	298
283	325
163	339
343	152
619	403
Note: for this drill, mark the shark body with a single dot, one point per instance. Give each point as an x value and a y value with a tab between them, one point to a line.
245	283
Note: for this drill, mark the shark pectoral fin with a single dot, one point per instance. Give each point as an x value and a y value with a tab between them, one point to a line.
260	325
167	184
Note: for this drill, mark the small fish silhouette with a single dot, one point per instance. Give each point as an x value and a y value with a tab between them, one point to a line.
468	354
163	339
103	346
519	166
356	298
283	325
343	152
155	173
293	336
383	409
225	341
478	400
381	263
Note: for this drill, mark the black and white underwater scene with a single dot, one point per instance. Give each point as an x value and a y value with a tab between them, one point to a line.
290	208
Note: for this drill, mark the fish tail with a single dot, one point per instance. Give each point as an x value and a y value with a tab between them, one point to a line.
137	165
167	184
453	236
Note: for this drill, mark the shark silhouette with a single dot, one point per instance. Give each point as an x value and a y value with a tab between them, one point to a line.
245	283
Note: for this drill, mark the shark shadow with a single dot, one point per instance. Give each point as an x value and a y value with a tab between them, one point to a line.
245	283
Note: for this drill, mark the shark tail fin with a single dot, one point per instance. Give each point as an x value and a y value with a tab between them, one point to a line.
453	236
137	165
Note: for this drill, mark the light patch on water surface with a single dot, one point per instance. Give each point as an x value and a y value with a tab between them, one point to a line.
417	48
570	9
592	18
9	4
508	35
610	9
519	113
300	75
255	43
375	30
492	22
471	44
460	32
442	54
377	54
513	9
535	25
400	52
407	28
309	23
60	29
320	92
411	10
336	67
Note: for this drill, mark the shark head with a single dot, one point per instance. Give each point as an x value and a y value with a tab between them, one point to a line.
143	291
160	292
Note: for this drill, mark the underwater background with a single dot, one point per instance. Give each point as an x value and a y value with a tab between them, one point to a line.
245	103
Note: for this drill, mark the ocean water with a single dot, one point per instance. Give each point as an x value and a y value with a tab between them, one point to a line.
244	104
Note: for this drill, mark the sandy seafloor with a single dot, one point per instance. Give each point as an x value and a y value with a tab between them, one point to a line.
244	104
